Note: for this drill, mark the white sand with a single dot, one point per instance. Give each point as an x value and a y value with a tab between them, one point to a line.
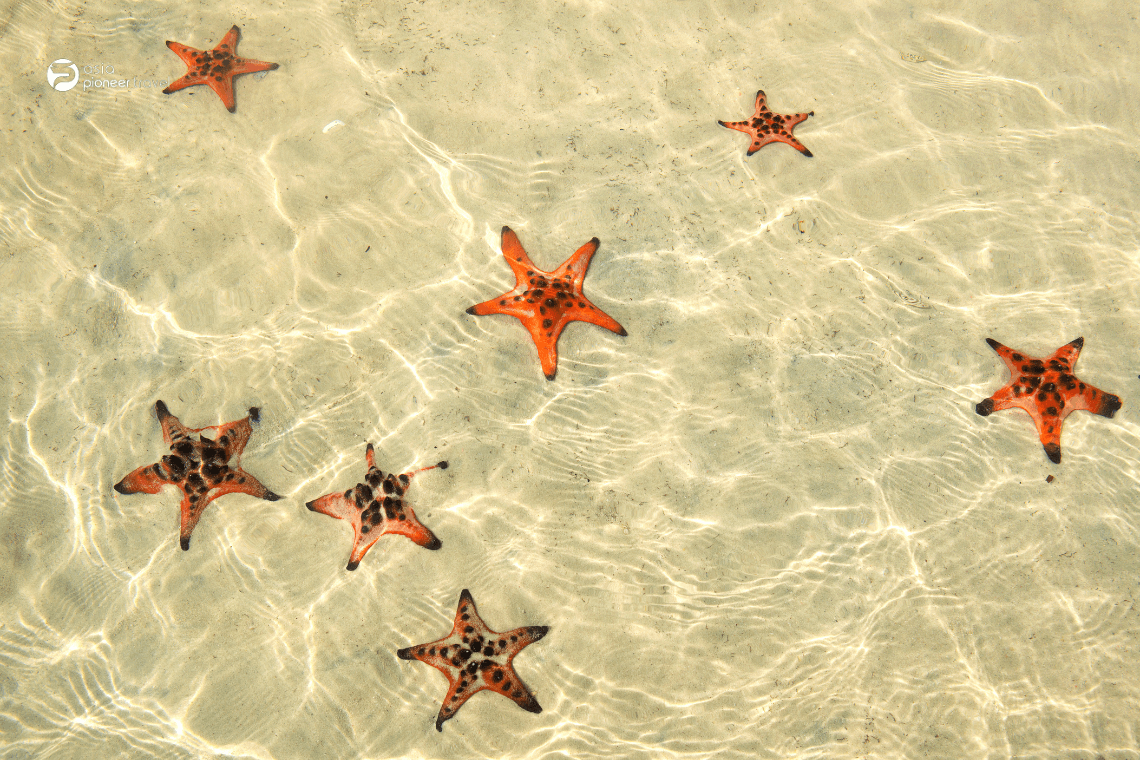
768	523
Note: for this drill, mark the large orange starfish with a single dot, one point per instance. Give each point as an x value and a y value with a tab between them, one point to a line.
1048	390
216	68
200	468
376	508
545	302
474	658
765	127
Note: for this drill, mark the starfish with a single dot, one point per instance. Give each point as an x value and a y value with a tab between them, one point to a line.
1048	390
200	468
473	657
377	507
216	67
545	302
766	127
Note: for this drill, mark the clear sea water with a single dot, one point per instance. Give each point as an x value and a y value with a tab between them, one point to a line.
766	524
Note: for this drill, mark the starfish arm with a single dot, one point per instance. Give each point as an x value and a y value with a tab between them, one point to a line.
504	679
336	505
522	637
147	479
407	476
546	341
761	101
596	316
788	139
245	483
224	87
249	66
435	653
360	547
191	509
517	259
1094	400
1059	402
458	693
467	614
188	80
1076	394
796	118
172	429
511	687
1050	436
740	126
504	304
1007	355
1067	355
230	41
406	524
575	267
186	53
1047	417
199	494
233	436
1004	399
340	506
758	143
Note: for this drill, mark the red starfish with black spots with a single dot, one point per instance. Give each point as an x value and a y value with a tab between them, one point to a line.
545	302
200	468
377	507
474	658
766	127
216	68
1048	390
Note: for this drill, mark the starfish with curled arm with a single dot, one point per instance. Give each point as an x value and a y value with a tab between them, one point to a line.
199	467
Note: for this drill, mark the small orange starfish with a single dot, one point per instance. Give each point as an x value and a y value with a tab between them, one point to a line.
474	658
216	67
377	508
545	302
1048	390
766	127
200	468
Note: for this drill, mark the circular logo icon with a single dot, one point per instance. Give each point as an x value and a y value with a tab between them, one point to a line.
54	77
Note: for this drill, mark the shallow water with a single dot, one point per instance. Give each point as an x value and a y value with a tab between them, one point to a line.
767	523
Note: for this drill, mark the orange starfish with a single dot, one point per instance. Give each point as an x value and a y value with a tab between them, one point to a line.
545	302
766	127
474	658
1048	390
200	468
216	67
376	508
